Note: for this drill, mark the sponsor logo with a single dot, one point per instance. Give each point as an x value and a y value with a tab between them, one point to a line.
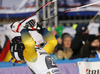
53	71
89	71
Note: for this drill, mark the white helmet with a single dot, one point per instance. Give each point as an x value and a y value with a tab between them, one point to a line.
37	37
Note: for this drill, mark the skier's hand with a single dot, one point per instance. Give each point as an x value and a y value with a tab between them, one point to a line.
32	25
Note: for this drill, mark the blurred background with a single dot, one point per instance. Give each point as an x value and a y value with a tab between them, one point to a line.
77	32
12	10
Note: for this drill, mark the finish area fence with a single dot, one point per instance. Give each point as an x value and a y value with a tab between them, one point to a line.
65	66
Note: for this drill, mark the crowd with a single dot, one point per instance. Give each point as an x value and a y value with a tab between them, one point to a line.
81	45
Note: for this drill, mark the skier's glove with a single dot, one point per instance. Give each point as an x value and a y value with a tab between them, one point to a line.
31	26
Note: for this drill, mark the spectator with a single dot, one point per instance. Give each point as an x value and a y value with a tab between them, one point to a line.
66	42
64	50
92	48
79	40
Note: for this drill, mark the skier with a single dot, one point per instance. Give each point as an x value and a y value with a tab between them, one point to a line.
37	59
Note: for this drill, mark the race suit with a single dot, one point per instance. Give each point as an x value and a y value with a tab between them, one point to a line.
38	59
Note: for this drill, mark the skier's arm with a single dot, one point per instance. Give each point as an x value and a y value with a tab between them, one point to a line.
29	52
50	39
